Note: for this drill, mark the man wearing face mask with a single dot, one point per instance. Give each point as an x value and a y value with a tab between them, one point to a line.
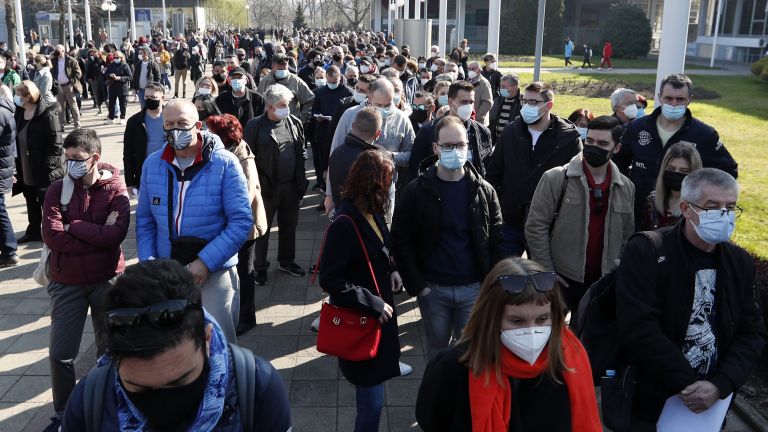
143	135
506	106
483	92
351	74
277	141
307	73
624	105
690	322
646	140
434	53
176	373
461	100
301	102
423	110
240	101
220	76
327	100
194	208
411	83
532	144
492	74
446	235
360	92
66	71
596	220
146	71
84	234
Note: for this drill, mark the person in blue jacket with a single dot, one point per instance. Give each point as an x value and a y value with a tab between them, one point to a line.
168	366
568	52
646	139
210	213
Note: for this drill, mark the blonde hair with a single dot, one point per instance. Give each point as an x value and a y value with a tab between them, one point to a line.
483	330
214	86
678	150
28	89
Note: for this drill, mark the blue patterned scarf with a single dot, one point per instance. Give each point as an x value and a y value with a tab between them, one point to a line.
130	419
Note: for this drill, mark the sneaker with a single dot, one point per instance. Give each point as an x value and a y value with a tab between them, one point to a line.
405	369
316	324
8	261
54	426
108	121
610	68
293	269
122	121
261	277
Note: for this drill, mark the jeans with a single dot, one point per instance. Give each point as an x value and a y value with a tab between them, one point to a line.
140	93
221	298
164	79
513	240
7	237
247	275
285	202
370	401
444	312
69	308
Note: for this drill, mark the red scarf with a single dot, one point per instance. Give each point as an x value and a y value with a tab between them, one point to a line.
490	404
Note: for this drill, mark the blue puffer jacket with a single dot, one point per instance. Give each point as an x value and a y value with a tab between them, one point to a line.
215	204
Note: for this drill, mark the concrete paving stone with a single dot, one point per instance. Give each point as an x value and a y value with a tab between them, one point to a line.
315	393
347	395
305	244
18	363
16	416
308	346
6	382
22	323
8	303
29	389
285	366
402	419
262	294
305	328
279	309
290	325
7	339
347	419
271	347
41	367
316	368
32	307
30	342
315	293
309	419
291	293
402	392
17	287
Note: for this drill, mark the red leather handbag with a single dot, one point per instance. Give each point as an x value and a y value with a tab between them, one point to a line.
347	333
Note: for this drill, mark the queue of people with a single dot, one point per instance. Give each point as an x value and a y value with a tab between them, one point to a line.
438	174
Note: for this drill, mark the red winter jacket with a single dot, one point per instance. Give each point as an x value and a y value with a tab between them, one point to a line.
607	50
90	251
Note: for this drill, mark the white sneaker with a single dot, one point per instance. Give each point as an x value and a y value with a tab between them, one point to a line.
405	369
108	121
122	121
316	324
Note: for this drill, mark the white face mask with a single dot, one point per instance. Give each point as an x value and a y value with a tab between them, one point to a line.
282	112
630	111
493	66
472	74
424	81
203	91
527	343
465	111
364	69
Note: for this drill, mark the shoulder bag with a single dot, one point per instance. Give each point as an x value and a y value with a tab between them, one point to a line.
42	274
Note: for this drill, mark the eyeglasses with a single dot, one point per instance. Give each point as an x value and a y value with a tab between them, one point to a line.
515	284
450	146
532	102
723	211
164	315
421	107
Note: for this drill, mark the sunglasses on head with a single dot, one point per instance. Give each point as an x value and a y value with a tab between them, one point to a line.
164	315
515	284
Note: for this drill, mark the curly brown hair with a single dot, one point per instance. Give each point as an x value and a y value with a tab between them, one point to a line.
369	180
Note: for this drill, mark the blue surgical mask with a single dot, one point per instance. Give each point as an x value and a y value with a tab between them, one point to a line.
396	99
640	112
383	111
454	159
237	84
530	114
333	86
320	82
504	93
359	97
17	100
281	73
673	112
443	100
582	132
715	227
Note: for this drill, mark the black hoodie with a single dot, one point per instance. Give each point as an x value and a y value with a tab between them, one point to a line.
44	143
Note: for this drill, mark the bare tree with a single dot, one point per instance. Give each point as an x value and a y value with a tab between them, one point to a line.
354	11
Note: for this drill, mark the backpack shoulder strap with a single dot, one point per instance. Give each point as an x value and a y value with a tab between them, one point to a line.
246	379
93	397
559	205
657	241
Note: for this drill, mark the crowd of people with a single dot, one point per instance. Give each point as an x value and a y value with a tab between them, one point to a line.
439	174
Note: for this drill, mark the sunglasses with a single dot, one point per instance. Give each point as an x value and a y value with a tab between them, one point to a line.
515	284
163	316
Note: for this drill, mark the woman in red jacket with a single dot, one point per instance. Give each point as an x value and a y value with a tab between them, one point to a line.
517	366
607	54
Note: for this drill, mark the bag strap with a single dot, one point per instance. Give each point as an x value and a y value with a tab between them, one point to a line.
245	377
559	201
170	206
365	251
93	397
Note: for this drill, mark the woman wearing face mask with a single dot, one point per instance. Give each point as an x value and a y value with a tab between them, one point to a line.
440	93
38	149
118	79
165	67
206	107
354	282
93	66
662	208
581	118
517	366
206	86
43	78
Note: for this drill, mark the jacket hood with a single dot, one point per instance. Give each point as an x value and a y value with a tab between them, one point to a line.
43	106
7	104
111	179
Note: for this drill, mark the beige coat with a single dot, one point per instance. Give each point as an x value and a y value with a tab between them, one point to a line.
566	251
248	162
483	100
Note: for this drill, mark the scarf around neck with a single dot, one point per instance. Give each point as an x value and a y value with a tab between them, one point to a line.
491	402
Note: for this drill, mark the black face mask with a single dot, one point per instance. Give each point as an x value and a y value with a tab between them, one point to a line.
152	104
351	82
202	114
596	156
419	116
336	58
673	180
218	78
173	408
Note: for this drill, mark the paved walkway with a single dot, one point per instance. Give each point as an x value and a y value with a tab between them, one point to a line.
729	71
321	400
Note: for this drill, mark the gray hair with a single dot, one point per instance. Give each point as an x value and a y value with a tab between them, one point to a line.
276	93
476	63
511	78
693	183
618	95
383	85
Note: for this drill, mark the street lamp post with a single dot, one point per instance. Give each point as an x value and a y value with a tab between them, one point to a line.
87	7
71	27
20	34
109	7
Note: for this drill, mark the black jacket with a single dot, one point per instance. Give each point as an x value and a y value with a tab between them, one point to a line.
344	274
495	113
134	148
44	143
515	170
538	404
345	104
7	141
494	77
153	73
258	135
341	161
416	227
123	72
480	144
641	150
653	313
249	106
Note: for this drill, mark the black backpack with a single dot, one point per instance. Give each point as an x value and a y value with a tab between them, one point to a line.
596	325
252	376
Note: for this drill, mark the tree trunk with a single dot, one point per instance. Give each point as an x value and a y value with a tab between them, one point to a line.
10	23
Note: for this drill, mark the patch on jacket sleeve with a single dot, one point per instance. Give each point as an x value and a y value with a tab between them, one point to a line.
155	200
643	138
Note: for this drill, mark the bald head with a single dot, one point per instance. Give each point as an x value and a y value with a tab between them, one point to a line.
382	93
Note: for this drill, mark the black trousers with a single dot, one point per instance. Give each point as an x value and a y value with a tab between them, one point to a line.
285	202
113	96
35	197
573	294
247	275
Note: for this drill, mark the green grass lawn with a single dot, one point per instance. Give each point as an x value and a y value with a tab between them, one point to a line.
740	116
557	61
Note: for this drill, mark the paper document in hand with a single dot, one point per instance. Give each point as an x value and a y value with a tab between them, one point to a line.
676	417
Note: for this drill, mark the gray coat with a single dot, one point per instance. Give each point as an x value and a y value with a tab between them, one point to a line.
44	81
